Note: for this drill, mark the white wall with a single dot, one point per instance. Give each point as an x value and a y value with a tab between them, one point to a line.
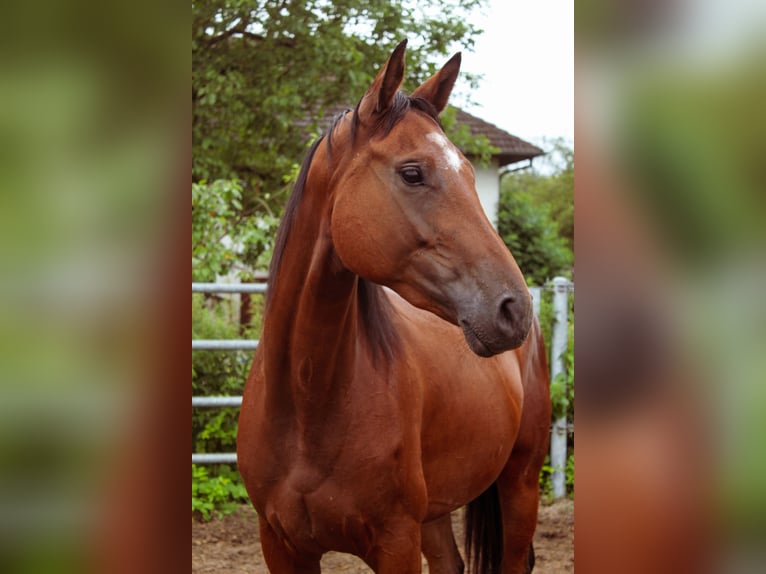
488	188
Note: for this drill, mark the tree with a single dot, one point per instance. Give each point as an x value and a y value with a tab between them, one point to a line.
536	215
532	236
551	185
264	74
224	238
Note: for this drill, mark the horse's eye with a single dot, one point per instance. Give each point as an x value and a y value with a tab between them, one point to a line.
411	175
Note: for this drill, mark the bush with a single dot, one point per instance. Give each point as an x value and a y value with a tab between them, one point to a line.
546	486
532	236
227	236
216	491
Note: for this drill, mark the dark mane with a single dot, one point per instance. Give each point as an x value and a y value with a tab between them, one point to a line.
374	308
399	107
283	233
375	312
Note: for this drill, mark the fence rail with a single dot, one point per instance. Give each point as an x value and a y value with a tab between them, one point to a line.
224	344
229	287
214	458
216	402
561	288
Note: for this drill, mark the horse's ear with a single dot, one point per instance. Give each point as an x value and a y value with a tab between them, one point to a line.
438	87
380	95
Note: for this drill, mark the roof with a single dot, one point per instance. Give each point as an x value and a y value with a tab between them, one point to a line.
511	148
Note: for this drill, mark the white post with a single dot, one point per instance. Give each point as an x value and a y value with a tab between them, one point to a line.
537	293
558	350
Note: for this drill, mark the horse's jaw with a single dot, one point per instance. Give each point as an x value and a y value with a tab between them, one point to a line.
492	323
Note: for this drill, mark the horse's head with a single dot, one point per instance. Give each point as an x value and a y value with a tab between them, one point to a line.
406	214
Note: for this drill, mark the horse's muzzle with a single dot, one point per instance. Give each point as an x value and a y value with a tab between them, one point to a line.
500	326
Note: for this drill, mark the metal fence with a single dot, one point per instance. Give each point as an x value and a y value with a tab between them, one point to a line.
560	287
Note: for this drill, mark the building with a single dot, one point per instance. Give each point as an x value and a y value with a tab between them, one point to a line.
511	150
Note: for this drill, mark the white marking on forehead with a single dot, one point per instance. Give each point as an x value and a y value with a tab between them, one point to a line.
451	156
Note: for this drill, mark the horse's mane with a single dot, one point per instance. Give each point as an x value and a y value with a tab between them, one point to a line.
375	310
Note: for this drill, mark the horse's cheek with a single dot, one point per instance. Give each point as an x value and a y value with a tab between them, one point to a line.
349	239
360	248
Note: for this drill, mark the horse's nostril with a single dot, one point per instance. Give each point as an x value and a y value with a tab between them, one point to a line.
506	307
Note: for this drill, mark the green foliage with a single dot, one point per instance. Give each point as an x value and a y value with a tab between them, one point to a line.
532	236
224	236
559	396
536	215
218	493
546	486
551	184
213	207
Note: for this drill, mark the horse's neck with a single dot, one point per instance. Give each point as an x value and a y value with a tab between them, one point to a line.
310	330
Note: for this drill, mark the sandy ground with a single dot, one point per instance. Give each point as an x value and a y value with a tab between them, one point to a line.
231	545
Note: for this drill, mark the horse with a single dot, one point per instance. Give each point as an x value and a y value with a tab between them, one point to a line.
400	374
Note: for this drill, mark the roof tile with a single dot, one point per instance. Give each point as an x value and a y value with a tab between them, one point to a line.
512	149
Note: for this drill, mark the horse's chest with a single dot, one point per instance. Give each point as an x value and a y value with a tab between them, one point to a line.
327	500
326	516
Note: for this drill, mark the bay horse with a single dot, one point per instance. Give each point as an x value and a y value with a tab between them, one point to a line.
400	374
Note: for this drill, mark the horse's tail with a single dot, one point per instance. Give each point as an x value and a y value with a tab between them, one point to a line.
484	533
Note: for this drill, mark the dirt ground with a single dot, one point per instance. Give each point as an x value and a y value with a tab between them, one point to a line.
231	545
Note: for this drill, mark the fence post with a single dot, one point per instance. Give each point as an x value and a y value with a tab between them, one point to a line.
558	350
537	293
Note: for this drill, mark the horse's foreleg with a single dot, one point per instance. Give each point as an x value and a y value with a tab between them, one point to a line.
518	484
396	549
439	547
519	498
282	560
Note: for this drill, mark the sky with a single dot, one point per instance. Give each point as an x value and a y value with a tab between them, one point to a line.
527	57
